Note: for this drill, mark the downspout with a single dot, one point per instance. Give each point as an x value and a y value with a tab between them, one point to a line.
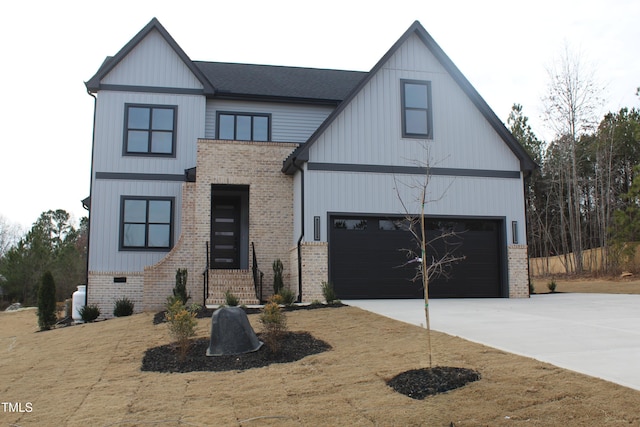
93	145
299	245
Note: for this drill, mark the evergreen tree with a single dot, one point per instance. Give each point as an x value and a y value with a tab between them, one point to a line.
47	302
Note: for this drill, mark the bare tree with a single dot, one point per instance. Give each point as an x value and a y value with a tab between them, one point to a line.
431	263
571	108
9	235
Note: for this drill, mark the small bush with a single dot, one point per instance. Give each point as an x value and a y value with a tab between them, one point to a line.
180	290
532	289
288	296
278	284
47	316
123	307
182	324
276	299
329	293
230	299
552	285
89	313
274	322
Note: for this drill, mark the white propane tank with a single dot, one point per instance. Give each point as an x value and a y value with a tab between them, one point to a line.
78	302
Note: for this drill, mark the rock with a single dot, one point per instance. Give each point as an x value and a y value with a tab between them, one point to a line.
14	307
626	274
231	333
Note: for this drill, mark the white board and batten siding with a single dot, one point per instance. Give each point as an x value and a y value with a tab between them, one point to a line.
368	131
105	210
151	64
289	122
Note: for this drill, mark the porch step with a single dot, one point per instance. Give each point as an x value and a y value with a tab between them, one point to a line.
239	282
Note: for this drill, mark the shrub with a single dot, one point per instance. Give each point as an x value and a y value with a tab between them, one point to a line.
47	302
123	307
182	324
278	284
276	299
89	313
230	299
180	290
329	293
274	322
288	296
552	285
532	288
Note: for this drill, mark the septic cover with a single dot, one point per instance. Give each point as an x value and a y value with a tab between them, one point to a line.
231	333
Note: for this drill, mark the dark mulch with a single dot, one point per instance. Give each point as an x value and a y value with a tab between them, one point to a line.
420	383
205	313
295	346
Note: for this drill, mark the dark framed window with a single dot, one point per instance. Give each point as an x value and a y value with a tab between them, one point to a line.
244	126
417	119
146	223
150	130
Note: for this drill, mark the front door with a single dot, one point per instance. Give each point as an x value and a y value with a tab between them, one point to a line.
225	232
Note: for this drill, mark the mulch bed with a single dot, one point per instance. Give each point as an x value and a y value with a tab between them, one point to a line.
420	383
295	346
415	383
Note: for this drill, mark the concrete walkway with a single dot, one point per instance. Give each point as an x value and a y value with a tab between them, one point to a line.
595	334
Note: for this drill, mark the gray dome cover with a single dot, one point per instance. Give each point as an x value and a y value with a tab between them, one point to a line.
231	333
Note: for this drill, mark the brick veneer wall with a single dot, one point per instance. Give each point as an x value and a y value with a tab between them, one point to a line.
315	269
254	164
103	291
518	271
257	165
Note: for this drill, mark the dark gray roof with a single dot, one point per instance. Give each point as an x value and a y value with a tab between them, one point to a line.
289	83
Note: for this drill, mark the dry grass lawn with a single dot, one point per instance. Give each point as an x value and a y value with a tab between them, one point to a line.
89	375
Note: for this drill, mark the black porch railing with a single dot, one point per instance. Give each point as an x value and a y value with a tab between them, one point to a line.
257	275
205	276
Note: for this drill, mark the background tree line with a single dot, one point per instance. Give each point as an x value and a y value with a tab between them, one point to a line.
586	193
53	244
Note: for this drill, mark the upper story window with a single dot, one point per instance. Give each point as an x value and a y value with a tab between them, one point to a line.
150	130
146	223
244	126
416	109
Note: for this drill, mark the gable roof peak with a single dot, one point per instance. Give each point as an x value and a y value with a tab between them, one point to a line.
93	84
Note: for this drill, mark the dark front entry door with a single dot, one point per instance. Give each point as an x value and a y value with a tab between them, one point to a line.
225	232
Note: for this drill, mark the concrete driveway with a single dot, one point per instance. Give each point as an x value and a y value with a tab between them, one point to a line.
595	334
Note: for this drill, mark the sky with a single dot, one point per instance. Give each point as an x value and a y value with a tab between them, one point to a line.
504	48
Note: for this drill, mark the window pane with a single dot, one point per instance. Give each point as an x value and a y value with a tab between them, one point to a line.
138	118
135	211
243	128
260	128
162	119
415	96
159	235
416	122
160	211
227	124
161	142
137	141
134	235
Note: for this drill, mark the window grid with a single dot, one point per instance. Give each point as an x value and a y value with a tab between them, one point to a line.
149	130
243	126
146	223
417	119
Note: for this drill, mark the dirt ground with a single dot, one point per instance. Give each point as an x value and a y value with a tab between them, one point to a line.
618	285
90	375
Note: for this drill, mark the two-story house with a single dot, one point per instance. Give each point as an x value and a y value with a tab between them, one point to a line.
223	168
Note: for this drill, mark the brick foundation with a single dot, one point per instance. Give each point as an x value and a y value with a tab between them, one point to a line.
104	289
518	271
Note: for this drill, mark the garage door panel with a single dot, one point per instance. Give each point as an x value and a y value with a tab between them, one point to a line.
367	260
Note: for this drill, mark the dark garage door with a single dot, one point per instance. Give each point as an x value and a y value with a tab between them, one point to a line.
366	258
